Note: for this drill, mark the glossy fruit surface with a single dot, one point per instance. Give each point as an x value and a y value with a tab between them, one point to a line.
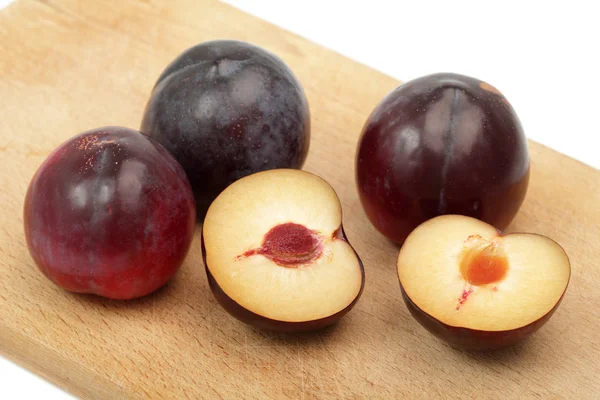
227	109
441	144
109	212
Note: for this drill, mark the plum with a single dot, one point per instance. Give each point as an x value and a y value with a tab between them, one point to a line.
441	144
226	109
109	212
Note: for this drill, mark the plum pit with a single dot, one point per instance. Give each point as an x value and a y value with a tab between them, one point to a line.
483	261
290	245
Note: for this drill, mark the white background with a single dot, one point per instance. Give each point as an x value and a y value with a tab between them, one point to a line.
544	57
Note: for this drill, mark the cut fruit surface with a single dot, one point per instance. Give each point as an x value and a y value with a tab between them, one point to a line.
461	272
290	245
272	245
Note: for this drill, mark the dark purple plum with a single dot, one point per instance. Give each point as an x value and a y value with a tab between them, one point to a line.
110	212
226	109
441	144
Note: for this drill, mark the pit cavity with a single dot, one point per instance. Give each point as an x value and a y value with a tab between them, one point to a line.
483	261
290	245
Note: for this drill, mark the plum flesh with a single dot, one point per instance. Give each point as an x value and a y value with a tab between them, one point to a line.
227	109
110	212
441	144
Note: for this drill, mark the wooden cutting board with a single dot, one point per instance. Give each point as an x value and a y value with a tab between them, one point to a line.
67	66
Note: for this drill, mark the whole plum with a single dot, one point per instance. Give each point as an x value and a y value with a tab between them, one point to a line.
226	109
441	144
109	212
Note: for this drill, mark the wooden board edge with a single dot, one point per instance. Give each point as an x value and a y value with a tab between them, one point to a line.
49	365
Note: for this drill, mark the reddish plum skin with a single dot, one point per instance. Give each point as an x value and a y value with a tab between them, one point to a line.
472	339
441	144
226	109
110	212
261	322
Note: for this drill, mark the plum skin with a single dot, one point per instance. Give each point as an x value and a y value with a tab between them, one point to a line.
226	109
261	322
109	212
472	339
441	144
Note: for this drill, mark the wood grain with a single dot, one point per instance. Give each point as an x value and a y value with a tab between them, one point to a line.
67	66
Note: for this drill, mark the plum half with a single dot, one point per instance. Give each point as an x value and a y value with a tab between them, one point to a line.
441	144
276	255
109	212
226	109
477	288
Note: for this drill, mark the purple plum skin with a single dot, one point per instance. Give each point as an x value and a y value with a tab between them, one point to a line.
226	109
441	144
